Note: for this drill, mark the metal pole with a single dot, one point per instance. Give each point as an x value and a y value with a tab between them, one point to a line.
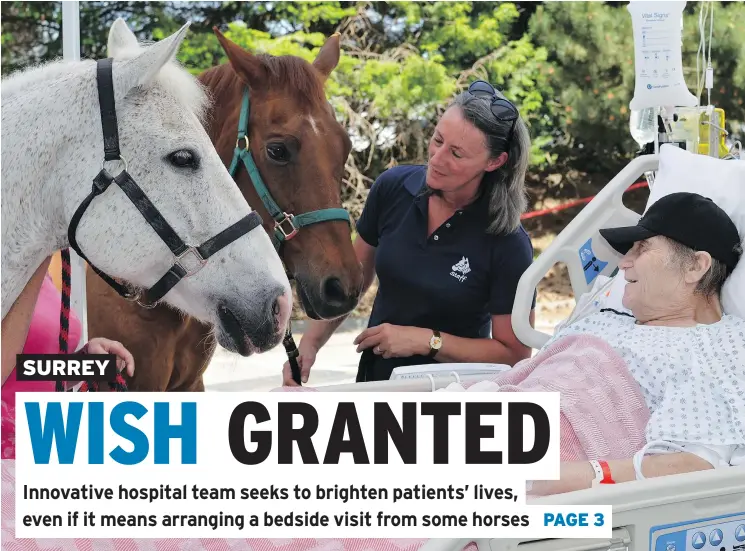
71	51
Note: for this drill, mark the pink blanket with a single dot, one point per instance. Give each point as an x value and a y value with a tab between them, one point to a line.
603	412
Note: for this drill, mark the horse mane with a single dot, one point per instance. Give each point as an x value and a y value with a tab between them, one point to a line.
177	81
173	79
26	77
296	74
293	74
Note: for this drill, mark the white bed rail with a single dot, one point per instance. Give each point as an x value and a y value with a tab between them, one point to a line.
641	510
580	247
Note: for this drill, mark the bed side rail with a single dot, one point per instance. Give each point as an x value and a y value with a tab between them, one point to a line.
619	541
580	247
638	507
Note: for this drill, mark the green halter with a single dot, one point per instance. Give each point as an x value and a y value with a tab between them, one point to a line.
286	225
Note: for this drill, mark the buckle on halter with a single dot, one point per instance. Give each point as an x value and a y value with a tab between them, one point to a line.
238	142
289	218
137	296
191	261
121	160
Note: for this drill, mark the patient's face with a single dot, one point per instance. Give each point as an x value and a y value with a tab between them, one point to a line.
655	285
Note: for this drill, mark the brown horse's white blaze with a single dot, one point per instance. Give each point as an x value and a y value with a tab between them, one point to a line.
313	125
300	150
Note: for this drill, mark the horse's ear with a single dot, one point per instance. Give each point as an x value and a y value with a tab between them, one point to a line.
246	65
143	68
121	39
328	58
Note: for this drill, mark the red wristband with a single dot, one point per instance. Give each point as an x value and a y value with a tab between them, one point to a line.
602	473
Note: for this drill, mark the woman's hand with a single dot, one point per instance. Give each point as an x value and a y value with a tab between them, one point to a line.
105	346
394	341
307	357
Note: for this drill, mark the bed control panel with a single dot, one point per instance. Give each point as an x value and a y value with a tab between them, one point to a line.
718	534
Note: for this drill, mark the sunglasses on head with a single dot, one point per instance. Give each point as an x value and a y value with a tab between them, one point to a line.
503	109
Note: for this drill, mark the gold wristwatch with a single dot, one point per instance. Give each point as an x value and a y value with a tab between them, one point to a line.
435	343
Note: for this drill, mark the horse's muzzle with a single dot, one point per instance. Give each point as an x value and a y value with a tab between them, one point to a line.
254	331
326	299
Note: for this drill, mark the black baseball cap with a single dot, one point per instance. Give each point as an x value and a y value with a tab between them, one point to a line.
688	218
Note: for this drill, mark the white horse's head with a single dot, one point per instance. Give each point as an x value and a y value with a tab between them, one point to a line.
243	289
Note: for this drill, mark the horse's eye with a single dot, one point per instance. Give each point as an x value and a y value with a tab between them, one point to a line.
278	152
183	158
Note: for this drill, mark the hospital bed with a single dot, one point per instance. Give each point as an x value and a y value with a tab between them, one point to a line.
671	513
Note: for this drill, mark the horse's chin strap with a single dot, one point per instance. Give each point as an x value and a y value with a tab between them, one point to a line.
188	260
286	226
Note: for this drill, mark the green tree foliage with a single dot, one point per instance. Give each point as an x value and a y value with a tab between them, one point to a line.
569	66
591	47
727	53
400	67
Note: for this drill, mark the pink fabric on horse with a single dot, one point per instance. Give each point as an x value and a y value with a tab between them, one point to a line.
603	412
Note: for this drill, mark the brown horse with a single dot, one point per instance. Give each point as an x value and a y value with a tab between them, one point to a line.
300	151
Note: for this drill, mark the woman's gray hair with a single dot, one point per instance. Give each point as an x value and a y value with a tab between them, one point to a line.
505	185
711	284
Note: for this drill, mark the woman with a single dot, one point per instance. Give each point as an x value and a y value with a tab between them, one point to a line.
446	244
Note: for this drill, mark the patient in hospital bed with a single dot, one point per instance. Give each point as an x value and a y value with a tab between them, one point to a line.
671	351
655	386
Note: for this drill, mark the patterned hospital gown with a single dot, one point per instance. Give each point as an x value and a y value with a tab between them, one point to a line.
692	378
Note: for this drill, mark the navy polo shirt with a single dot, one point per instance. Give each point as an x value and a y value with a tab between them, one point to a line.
452	281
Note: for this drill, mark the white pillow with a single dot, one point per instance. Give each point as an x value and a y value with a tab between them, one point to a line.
724	183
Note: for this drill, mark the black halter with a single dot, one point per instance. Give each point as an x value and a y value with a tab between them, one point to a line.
188	260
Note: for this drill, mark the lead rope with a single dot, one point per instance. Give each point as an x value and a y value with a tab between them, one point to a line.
119	384
292	354
291	348
64	317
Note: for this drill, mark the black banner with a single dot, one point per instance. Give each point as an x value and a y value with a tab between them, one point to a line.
66	367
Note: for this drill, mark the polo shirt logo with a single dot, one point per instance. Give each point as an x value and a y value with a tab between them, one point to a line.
460	269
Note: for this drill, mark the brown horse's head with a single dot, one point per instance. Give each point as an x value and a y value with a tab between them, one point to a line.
300	151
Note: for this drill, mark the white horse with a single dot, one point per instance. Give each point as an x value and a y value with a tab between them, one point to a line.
52	149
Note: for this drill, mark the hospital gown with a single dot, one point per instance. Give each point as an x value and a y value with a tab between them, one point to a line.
692	378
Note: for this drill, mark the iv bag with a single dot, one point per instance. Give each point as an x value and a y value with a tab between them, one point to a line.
658	57
643	126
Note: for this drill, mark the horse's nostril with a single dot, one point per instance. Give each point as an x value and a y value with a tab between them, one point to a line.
276	308
333	291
